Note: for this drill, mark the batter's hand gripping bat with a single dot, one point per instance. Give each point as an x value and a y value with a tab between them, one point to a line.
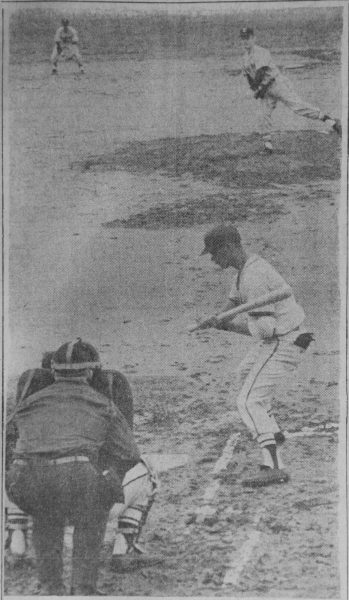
229	315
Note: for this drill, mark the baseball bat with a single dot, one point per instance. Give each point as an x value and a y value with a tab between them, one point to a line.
276	296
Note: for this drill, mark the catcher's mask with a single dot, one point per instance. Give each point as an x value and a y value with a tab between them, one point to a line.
65	21
75	356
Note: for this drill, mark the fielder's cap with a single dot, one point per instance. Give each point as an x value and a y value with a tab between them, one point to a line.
246	32
219	236
76	356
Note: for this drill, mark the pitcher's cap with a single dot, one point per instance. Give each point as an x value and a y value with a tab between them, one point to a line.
219	236
246	32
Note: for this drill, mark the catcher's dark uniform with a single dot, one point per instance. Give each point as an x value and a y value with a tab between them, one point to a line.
65	433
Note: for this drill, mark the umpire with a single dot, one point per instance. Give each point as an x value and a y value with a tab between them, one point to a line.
65	431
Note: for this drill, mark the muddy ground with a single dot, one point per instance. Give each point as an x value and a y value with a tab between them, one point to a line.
114	178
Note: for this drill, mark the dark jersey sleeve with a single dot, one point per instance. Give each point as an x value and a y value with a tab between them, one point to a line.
120	450
30	381
115	386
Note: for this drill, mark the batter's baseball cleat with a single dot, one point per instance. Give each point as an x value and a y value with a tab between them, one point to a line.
268	147
82	70
266	476
133	560
54	71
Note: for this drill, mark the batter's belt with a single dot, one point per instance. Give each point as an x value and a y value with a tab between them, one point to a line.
302	339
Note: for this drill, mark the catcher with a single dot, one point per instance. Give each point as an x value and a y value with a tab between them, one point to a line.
271	87
66	46
75	370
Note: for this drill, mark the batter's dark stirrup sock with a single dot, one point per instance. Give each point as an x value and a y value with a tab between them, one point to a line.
279	437
272	450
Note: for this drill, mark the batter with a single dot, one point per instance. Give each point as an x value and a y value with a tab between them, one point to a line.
280	341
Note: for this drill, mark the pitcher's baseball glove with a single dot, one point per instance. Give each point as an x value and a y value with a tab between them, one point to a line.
263	81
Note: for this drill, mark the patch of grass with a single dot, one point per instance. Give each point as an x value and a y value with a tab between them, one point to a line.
236	163
190	212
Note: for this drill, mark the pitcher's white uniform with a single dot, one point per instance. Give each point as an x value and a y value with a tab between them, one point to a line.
274	355
281	90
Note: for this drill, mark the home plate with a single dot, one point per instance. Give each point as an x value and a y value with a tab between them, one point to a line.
162	462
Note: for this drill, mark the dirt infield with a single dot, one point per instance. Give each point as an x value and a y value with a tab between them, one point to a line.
114	178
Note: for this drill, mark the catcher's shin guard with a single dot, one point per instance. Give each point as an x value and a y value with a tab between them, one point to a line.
140	486
18	528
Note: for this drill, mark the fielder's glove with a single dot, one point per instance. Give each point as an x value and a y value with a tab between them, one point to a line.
262	90
251	82
263	80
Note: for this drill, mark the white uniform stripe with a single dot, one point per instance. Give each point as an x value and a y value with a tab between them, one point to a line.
69	352
253	376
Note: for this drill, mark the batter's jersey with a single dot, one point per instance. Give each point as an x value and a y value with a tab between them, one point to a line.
66	37
257	58
257	278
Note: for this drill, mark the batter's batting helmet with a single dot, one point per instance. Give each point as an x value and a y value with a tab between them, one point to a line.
219	236
76	356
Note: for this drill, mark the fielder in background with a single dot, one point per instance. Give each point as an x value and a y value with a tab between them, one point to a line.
74	459
280	342
271	87
66	46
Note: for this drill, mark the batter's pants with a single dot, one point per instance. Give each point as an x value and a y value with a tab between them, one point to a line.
54	495
282	91
68	52
261	375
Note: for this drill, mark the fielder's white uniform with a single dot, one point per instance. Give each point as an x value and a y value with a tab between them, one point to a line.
68	39
274	354
281	90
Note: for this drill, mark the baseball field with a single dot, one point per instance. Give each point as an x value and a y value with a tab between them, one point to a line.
113	178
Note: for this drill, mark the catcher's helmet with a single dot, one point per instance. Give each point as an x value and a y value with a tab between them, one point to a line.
75	356
65	21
